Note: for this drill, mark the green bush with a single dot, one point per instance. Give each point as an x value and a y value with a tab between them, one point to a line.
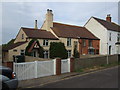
76	53
40	50
57	49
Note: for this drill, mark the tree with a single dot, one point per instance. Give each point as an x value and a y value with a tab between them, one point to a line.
57	49
76	53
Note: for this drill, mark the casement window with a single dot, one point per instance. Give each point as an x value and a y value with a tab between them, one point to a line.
69	53
22	52
45	42
68	41
90	43
109	36
22	36
46	54
84	42
118	38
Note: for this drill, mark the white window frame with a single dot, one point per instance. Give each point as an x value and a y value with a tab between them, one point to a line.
46	54
118	37
68	41
110	37
45	42
22	51
22	36
69	53
84	42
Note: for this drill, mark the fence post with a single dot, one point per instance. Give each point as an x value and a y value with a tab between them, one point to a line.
58	66
14	67
72	64
36	69
54	66
68	64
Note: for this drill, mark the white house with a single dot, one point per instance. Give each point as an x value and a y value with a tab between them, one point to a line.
108	32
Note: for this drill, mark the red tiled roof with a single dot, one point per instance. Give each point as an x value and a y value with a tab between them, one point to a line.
108	25
38	33
13	45
71	31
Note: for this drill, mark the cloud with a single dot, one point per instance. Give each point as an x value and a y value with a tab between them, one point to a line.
23	14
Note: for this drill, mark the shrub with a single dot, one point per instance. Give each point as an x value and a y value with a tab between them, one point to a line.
57	49
76	53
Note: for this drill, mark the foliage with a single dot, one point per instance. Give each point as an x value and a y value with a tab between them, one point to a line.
76	53
57	49
40	50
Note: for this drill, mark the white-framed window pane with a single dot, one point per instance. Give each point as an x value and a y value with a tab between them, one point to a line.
68	41
45	42
69	53
22	36
118	38
22	52
90	43
46	54
110	37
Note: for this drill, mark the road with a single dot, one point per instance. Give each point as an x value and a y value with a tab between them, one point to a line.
101	79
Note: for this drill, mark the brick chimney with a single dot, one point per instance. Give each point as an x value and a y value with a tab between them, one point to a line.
36	24
108	18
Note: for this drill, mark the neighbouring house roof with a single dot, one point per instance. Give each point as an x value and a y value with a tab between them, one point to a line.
108	25
71	31
13	45
39	33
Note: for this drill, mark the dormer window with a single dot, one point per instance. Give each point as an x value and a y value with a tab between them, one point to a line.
22	36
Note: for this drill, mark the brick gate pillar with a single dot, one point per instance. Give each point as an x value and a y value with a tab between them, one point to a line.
72	64
58	66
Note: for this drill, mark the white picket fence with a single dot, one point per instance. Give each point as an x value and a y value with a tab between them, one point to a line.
30	70
65	65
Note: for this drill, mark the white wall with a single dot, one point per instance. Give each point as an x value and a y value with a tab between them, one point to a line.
99	31
111	43
103	34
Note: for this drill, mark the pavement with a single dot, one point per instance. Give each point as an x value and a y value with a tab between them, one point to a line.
38	82
43	80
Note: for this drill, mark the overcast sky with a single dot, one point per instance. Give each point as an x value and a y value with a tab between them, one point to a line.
16	15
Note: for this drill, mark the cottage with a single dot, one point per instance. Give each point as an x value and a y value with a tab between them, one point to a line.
72	36
108	32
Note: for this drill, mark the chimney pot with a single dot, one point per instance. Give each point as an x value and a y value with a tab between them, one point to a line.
50	10
108	18
36	24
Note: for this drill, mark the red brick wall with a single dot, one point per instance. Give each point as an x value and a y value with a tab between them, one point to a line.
8	64
84	49
58	66
72	65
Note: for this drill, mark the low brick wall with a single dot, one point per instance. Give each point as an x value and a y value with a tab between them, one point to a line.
8	64
94	61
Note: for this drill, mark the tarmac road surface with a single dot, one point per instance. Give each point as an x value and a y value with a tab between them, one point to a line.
101	79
